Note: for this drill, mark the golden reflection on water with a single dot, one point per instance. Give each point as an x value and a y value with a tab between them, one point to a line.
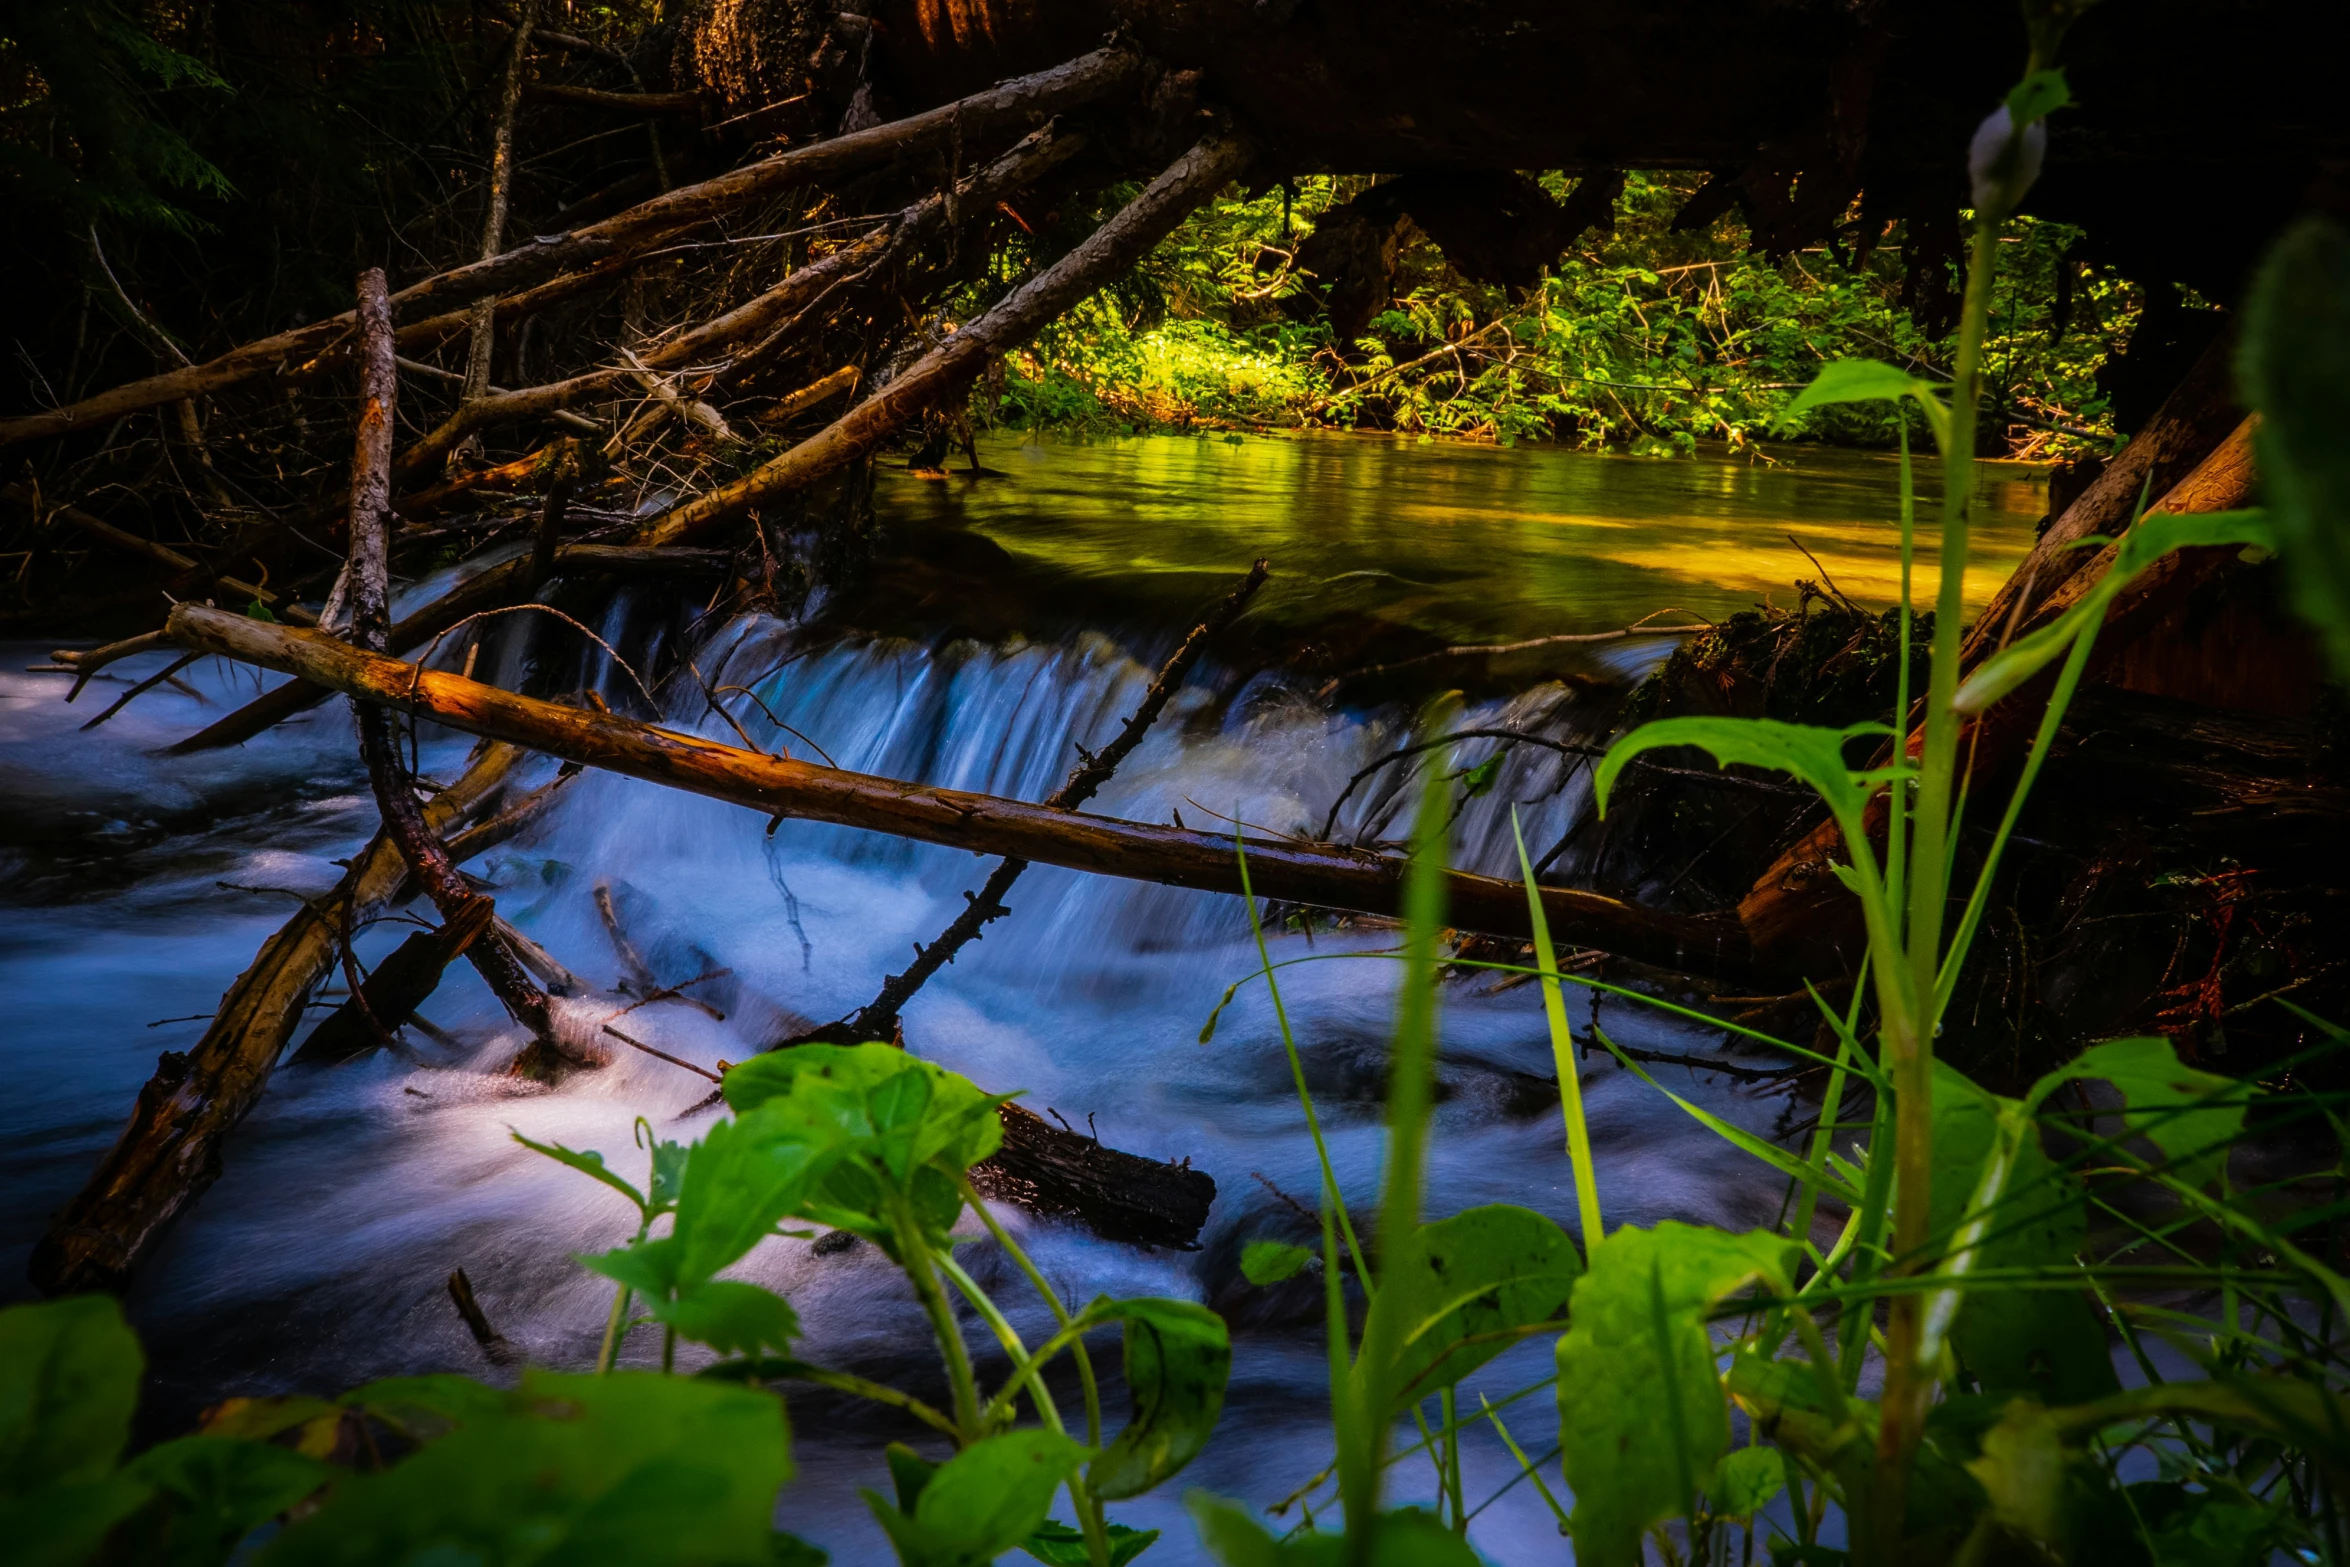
1469	542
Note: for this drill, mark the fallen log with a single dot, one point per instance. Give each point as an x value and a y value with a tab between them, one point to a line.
171	1149
1063	1174
490	589
955	364
1319	874
1020	103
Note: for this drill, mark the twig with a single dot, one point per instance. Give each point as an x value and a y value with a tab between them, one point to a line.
879	1019
143	686
493	1343
1638	628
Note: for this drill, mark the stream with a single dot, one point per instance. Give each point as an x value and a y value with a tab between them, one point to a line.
1036	604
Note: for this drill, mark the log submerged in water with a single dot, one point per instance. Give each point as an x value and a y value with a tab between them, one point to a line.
1323	875
171	1150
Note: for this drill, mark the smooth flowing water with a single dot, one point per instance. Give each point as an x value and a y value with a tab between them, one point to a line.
137	886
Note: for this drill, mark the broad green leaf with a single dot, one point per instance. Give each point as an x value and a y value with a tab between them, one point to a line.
1868	381
2192	1116
1062	1546
982	1502
731	1317
215	1491
2200	1529
2043	1342
64	1525
2296	370
1812	754
2153	537
633	1469
429	1407
589	1163
1405	1538
1477	1274
69	1382
2022	1469
2037	96
1272	1262
894	1108
740	1181
909	1472
1744	1483
2047	1343
1178	1359
1642	1415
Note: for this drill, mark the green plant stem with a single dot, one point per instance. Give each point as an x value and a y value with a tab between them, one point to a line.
2068	681
1332	1196
1832	1103
1562	1052
1452	1462
1525	1464
1897	792
915	1252
610	1350
1061	1317
874	1392
1908	1024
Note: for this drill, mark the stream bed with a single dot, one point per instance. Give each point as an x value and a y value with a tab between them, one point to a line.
135	887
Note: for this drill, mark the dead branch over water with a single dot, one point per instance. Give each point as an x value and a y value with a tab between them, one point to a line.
1318	874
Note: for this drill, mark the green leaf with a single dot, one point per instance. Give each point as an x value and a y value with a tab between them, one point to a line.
892	1108
1063	1546
740	1181
2296	368
1642	1415
425	1408
2194	1117
2022	1468
2151	538
1178	1360
1810	753
590	1163
2037	96
1405	1538
2046	1343
1272	1262
633	1469
1744	1483
1867	381
64	1525
256	610
1477	1274
1478	780
69	1382
733	1318
216	1490
984	1501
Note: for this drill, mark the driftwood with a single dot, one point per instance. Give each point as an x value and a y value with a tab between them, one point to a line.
1119	1196
955	364
1319	874
1017	104
1798	916
171	1150
879	1018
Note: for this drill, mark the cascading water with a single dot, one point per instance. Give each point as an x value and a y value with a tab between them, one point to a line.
318	1259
